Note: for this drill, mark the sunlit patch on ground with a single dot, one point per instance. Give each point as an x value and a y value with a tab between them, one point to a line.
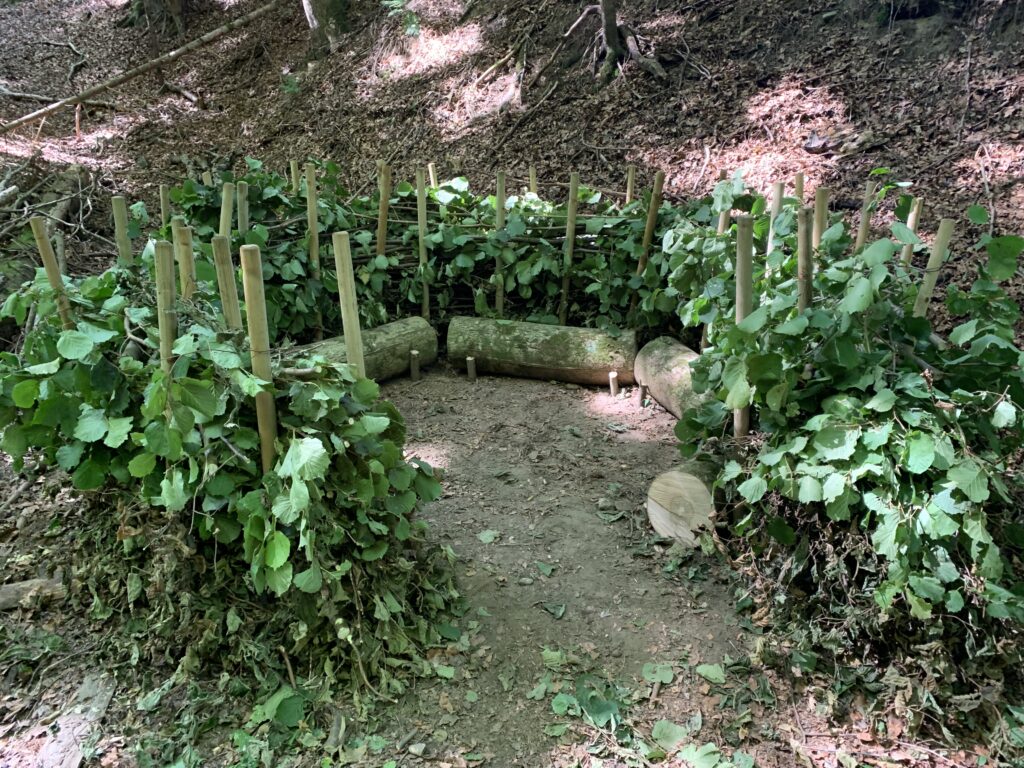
430	51
466	103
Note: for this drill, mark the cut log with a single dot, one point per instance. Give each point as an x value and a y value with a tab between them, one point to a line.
680	505
538	351
663	366
386	348
23	594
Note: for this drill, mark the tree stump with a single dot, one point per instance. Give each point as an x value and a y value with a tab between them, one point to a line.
539	351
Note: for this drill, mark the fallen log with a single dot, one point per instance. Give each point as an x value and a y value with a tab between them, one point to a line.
663	366
539	351
23	594
386	349
680	505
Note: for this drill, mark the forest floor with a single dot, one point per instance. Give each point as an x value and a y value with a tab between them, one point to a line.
544	503
937	100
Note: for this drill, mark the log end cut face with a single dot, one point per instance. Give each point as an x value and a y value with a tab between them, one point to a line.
680	506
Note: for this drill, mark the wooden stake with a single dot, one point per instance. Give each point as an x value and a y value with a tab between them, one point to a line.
384	183
166	317
864	225
499	264
165	204
471	368
533	178
568	248
804	260
226	281
242	191
432	171
349	307
931	272
293	167
167	320
821	195
53	274
414	364
916	206
778	192
630	183
725	216
613	383
227	208
744	299
649	228
182	237
313	229
124	243
259	350
207	178
421	225
798	187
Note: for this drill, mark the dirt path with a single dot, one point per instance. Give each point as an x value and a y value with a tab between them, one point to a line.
539	478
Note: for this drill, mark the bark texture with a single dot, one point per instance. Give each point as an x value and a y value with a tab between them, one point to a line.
538	351
663	366
386	348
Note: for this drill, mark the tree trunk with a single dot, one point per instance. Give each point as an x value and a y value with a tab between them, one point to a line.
328	21
538	351
386	348
663	366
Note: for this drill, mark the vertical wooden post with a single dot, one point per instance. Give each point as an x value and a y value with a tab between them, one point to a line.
384	183
259	350
798	187
432	172
349	308
864	226
533	178
226	281
421	225
499	264
227	208
53	274
821	195
124	243
744	299
569	246
724	217
313	227
471	368
165	205
931	272
804	261
414	364
293	167
166	318
778	192
652	221
182	237
613	383
207	179
630	183
242	189
916	206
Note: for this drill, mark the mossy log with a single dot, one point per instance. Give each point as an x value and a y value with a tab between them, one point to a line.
663	366
538	351
680	505
386	348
